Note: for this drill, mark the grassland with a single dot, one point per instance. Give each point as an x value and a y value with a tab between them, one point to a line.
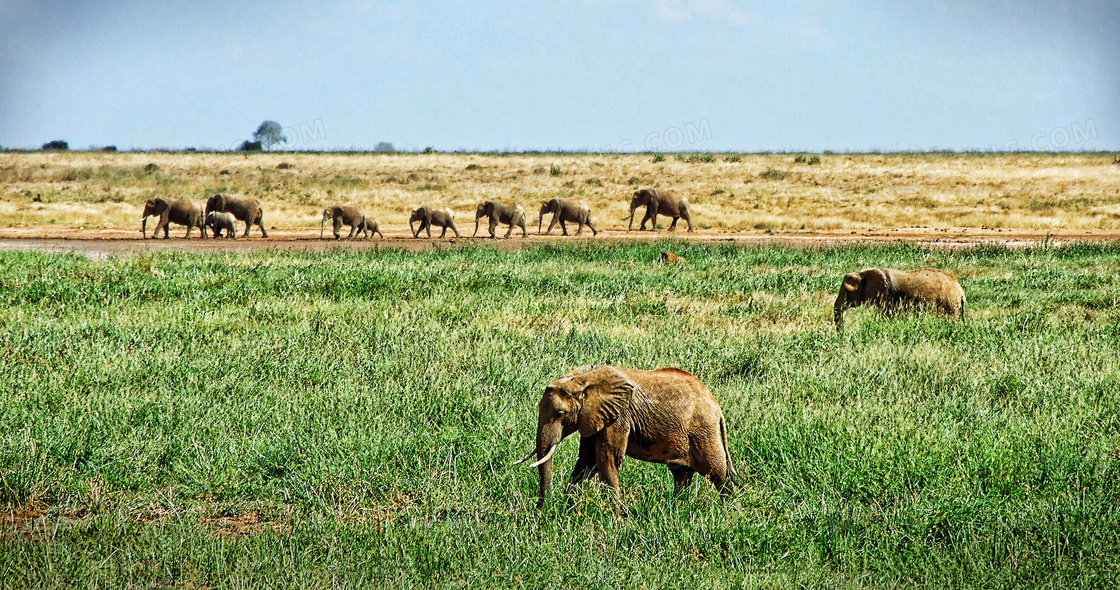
279	419
729	193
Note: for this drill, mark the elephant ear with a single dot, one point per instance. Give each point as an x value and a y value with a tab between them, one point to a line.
606	394
875	284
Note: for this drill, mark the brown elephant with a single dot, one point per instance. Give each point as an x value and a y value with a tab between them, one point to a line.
891	290
662	416
510	213
429	216
566	210
660	202
246	209
368	227
177	211
342	215
219	220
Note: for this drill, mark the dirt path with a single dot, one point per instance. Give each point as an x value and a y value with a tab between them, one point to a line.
101	243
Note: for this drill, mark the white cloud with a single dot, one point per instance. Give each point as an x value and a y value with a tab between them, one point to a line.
683	10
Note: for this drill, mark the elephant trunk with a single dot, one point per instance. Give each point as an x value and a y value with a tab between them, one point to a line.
322	225
540	221
477	216
633	208
548	437
838	311
144	226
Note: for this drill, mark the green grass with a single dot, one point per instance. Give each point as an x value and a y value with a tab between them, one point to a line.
361	411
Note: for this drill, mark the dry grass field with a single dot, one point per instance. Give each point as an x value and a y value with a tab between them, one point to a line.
728	193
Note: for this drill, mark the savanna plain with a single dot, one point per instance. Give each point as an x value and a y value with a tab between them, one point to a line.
288	418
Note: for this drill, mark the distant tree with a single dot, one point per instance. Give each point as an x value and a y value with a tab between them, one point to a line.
57	144
384	146
109	148
269	133
249	146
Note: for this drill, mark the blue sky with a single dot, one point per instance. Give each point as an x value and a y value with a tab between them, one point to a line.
709	75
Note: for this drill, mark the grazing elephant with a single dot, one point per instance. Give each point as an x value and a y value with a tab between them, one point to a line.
890	290
177	211
368	227
219	220
566	210
660	202
342	215
246	209
662	416
510	213
429	216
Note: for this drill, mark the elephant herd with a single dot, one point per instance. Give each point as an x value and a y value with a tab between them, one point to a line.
220	213
665	415
669	416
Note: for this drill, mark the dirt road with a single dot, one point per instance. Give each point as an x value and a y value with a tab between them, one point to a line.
101	243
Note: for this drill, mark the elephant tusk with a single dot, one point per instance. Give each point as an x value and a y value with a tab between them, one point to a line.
546	456
527	457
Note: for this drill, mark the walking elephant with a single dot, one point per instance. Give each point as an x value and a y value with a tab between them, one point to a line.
246	209
177	211
342	215
429	216
368	227
219	220
660	202
891	290
662	416
566	210
510	213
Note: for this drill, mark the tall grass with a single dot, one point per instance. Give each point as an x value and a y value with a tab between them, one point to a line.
297	419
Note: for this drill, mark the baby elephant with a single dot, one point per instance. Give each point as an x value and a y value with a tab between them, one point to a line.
219	220
663	416
368	227
891	290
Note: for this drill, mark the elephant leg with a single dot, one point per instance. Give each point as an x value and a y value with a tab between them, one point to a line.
552	224
682	477
610	448
688	218
509	232
248	226
493	227
594	232
444	233
673	226
337	226
353	228
708	459
652	217
579	230
564	226
585	465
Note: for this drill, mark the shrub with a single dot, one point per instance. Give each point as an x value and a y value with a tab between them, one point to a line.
595	181
634	180
772	174
474	167
799	159
814	160
733	158
151	168
555	170
249	146
658	158
57	144
109	148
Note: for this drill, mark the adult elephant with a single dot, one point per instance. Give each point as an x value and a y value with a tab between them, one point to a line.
891	290
177	211
429	216
566	210
662	416
246	209
660	202
343	215
510	213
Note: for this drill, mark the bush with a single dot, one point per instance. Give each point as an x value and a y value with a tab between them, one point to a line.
595	181
109	148
151	168
799	159
772	174
57	144
814	160
249	146
555	170
658	158
384	147
733	158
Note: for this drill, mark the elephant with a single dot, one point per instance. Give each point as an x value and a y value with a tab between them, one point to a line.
662	416
428	216
890	290
368	227
342	215
660	202
246	209
177	211
510	213
564	210
219	220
